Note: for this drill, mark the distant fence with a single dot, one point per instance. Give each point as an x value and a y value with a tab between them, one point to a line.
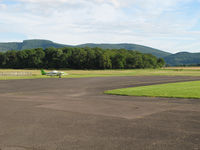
15	74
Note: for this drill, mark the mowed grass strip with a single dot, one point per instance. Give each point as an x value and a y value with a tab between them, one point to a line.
176	90
105	73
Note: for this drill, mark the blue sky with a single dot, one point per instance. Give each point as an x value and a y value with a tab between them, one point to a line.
170	25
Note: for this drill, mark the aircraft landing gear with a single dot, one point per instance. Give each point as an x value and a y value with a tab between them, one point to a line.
60	76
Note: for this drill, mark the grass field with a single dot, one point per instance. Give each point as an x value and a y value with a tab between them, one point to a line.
178	90
101	73
184	68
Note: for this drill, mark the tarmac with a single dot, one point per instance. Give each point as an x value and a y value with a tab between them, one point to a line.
75	114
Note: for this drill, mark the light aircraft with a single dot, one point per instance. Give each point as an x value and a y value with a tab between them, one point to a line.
53	73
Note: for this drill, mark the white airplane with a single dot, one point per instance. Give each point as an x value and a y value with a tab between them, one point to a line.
53	73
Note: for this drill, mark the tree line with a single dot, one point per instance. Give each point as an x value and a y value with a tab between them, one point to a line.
78	58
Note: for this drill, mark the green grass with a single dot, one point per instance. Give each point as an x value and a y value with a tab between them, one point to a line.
104	73
177	90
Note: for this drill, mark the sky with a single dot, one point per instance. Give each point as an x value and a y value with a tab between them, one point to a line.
169	25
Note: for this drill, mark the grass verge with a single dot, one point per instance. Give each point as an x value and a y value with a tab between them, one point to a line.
176	90
104	73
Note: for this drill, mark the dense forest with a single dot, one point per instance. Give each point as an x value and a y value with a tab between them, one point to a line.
78	58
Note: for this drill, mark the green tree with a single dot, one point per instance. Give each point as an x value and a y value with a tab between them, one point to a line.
10	58
79	58
105	61
160	62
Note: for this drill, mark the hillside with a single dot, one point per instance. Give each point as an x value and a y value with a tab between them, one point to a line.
9	46
29	44
140	48
183	58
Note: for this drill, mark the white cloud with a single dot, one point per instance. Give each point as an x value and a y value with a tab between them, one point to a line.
2	6
153	23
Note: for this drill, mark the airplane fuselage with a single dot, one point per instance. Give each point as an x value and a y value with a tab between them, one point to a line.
54	73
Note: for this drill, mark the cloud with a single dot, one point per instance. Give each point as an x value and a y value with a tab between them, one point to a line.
148	22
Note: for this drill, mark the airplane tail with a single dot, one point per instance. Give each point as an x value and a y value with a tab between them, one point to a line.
43	72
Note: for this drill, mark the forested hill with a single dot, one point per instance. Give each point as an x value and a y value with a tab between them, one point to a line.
140	48
30	44
183	58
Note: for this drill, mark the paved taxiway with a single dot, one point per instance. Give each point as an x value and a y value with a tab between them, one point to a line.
74	114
